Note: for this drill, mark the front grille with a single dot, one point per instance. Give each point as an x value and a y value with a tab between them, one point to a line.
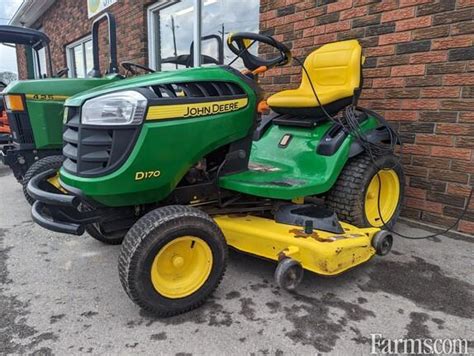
20	127
204	89
95	150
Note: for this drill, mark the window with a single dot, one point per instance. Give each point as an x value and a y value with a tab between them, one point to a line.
79	58
40	56
170	25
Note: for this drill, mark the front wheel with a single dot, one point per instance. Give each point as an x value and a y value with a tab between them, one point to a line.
40	166
369	193
172	259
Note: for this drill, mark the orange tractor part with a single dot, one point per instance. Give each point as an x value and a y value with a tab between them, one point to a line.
4	127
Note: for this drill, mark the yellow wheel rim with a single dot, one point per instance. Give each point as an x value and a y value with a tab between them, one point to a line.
54	181
181	267
389	197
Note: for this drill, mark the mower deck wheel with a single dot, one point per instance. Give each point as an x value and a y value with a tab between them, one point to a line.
382	242
172	259
288	274
40	166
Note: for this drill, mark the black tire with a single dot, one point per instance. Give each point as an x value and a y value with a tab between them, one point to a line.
347	196
289	274
40	166
382	242
146	239
96	232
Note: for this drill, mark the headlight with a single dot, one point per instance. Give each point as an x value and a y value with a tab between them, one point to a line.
121	108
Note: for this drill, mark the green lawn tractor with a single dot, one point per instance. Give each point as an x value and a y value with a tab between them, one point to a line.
181	177
35	107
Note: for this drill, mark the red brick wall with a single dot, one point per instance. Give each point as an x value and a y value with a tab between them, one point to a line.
419	73
66	22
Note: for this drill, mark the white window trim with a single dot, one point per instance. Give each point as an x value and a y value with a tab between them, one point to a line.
153	23
69	49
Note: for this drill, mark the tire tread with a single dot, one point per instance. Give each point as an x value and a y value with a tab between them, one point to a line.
347	196
133	242
42	165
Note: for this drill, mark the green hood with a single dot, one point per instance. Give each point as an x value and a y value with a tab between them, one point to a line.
64	87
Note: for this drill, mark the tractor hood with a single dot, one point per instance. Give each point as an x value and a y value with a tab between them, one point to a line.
60	87
217	73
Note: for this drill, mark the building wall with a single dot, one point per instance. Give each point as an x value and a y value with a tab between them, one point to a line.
419	73
66	22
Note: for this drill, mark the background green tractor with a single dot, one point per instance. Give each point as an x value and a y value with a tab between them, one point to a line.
35	107
185	163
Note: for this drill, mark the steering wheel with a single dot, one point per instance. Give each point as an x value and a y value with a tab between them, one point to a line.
132	68
244	40
62	72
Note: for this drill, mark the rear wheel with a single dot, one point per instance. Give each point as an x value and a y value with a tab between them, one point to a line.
172	259
40	166
369	193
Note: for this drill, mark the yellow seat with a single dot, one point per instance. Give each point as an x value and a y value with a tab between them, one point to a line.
335	71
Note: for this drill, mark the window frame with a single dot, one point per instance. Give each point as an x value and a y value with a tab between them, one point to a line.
36	59
69	56
153	22
154	35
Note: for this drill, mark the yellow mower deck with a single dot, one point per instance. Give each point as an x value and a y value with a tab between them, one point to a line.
321	252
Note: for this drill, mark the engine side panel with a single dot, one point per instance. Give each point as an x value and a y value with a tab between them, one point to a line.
176	134
163	154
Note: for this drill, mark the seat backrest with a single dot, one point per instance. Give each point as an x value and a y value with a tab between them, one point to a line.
335	65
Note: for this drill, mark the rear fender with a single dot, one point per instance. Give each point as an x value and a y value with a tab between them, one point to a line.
379	134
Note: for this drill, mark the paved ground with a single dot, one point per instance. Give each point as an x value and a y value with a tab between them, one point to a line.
61	294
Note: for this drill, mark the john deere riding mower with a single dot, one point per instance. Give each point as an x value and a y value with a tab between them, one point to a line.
35	107
182	177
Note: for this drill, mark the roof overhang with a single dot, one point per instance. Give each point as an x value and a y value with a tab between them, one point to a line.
30	11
